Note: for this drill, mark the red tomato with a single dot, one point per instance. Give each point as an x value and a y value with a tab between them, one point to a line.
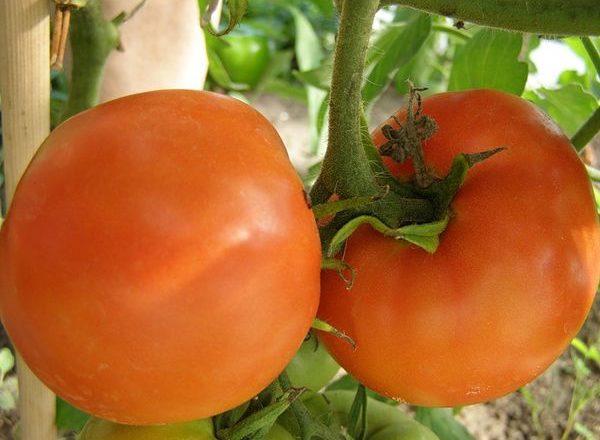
511	282
159	262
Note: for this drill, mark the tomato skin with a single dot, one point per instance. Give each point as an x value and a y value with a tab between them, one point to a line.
147	274
511	283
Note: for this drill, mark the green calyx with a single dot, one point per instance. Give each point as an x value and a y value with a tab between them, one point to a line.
354	186
246	421
416	212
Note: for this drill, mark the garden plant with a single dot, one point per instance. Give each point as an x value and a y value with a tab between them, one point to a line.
167	273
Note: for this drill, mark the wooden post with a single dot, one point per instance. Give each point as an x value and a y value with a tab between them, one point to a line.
25	92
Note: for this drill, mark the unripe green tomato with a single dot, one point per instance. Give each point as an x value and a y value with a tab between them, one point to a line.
384	422
380	415
404	431
312	367
277	432
245	56
99	429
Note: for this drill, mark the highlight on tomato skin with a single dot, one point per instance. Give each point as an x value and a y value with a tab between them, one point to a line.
147	273
511	282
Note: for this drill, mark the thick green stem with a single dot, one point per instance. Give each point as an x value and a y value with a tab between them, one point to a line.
587	131
592	126
592	51
346	170
92	40
549	17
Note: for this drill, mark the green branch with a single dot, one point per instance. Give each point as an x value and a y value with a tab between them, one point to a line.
92	39
591	127
548	17
592	52
587	131
346	170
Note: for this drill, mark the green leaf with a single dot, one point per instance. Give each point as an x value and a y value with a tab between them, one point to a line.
309	55
308	47
423	67
357	418
236	8
231	417
490	60
9	390
7	362
216	68
584	432
8	401
594	355
592	76
394	48
332	208
443	423
311	175
262	419
285	89
68	417
326	7
425	235
570	106
580	346
319	77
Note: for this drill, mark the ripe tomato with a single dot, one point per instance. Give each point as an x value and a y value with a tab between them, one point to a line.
98	429
159	262
513	278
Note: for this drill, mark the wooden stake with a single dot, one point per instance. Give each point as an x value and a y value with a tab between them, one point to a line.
25	91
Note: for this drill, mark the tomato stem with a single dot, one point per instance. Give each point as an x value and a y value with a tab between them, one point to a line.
92	39
592	52
352	168
548	17
346	170
587	131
